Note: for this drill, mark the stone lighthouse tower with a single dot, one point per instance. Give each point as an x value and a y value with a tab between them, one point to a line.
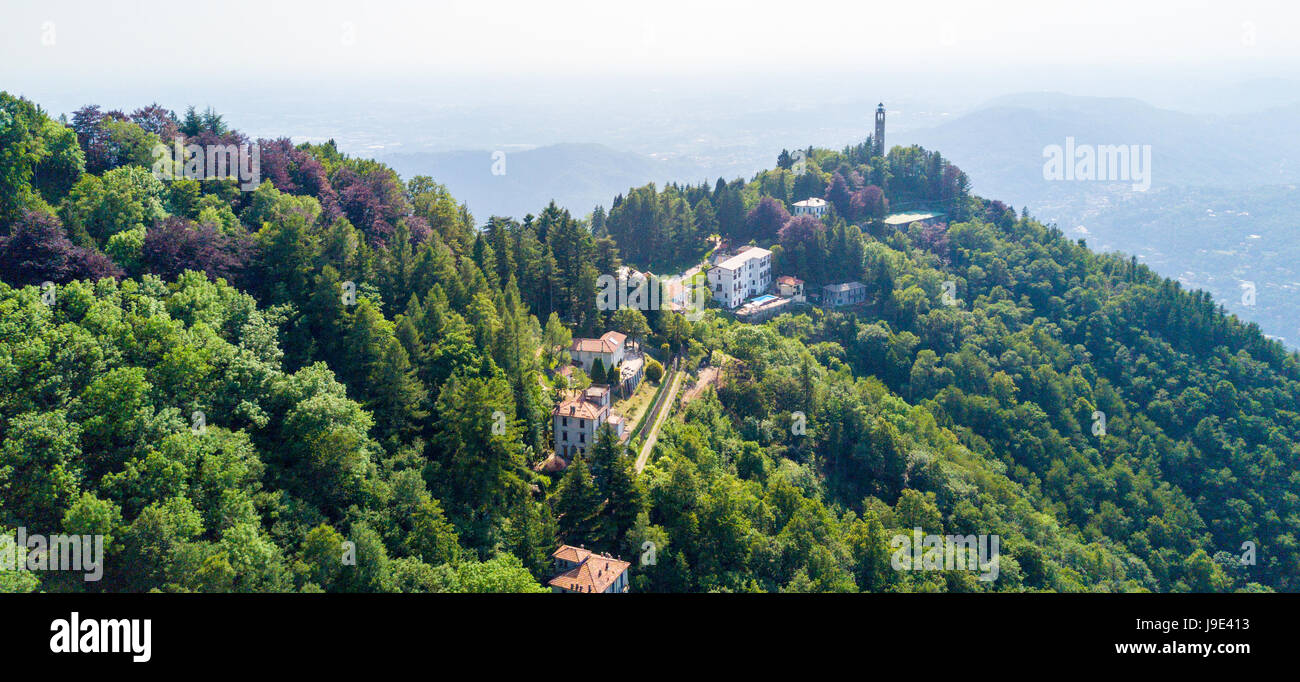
880	129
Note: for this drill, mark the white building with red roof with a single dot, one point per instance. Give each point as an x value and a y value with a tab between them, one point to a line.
608	348
788	286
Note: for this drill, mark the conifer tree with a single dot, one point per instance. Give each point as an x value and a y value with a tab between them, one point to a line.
579	505
618	484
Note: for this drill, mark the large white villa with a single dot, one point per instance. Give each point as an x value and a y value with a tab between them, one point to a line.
748	273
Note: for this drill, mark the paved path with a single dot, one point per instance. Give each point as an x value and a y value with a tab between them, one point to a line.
664	409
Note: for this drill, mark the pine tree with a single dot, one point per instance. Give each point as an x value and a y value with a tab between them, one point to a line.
396	395
578	505
619	487
483	468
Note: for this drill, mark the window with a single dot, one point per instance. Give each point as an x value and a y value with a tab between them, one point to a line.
582	438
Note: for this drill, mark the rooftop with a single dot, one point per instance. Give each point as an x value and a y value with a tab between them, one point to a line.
571	553
811	202
738	260
607	343
580	407
595	573
844	286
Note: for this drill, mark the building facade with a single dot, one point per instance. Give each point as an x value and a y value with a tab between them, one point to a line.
576	421
746	274
848	293
790	287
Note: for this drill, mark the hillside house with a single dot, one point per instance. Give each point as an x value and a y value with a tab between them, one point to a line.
746	274
609	348
847	293
581	571
790	287
577	419
813	206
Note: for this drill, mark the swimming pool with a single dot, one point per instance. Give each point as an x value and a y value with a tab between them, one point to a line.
760	300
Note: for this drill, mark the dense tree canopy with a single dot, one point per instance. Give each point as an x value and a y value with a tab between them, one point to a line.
341	381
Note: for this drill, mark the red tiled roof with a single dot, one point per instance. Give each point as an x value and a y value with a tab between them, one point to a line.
571	553
608	343
579	408
595	574
787	279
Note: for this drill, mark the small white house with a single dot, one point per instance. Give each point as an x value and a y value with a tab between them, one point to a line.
609	348
790	287
813	206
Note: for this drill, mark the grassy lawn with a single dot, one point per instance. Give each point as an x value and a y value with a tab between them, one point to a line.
634	406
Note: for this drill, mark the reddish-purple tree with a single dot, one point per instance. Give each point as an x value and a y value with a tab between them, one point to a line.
419	229
372	200
157	120
93	138
175	245
837	195
999	214
296	171
869	203
766	219
934	238
38	250
801	229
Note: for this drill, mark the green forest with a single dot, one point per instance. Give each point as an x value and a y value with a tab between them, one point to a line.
232	386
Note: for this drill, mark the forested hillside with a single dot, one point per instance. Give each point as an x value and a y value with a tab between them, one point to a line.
229	385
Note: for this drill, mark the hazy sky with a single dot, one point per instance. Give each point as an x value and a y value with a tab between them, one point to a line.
144	40
452	74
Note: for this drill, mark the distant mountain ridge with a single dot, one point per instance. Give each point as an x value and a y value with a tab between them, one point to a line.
578	176
1001	143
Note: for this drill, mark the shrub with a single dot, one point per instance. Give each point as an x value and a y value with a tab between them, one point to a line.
654	371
